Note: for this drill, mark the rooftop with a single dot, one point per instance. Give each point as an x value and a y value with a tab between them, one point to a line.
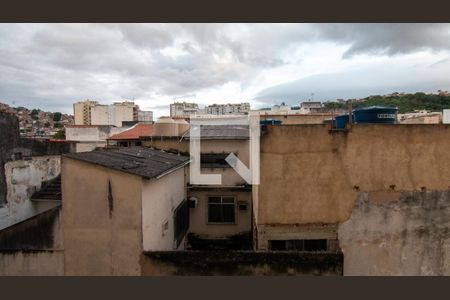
134	133
89	126
141	161
219	132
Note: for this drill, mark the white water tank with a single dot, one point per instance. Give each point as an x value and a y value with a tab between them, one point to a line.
165	126
182	125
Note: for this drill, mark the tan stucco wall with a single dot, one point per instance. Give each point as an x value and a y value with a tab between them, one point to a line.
311	176
98	241
168	144
198	222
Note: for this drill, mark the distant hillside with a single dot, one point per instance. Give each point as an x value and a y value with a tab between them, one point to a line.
404	102
38	123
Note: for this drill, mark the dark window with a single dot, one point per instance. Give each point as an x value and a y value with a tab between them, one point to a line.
18	156
221	210
214	160
299	245
315	245
181	221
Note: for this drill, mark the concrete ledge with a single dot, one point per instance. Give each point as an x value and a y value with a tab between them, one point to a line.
245	263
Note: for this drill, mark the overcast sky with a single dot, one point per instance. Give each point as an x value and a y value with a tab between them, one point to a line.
50	66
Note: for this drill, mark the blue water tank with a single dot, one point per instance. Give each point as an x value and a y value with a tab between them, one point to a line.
341	121
375	114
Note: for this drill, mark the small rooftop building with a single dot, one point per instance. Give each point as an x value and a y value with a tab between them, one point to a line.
118	203
89	137
308	107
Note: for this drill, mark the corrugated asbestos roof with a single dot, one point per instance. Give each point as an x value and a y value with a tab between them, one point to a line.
142	161
218	132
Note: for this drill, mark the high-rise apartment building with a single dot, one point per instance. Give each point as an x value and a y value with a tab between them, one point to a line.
93	113
82	112
183	109
227	109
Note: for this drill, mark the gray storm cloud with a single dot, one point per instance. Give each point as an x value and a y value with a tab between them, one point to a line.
52	65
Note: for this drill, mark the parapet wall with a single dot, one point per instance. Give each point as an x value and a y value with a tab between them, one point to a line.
393	233
31	263
309	175
200	263
385	187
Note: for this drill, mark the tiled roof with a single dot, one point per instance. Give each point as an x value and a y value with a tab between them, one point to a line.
88	126
134	132
238	132
141	161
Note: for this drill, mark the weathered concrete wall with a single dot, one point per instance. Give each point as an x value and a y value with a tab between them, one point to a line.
309	175
33	247
31	263
23	178
245	263
41	232
174	144
11	143
393	233
9	138
102	220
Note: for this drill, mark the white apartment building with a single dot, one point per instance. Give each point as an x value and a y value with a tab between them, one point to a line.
183	109
145	116
229	108
92	113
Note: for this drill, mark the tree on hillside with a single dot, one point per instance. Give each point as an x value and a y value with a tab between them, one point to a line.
57	116
61	134
34	114
404	102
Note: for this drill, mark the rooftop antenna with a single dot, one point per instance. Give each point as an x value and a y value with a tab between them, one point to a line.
312	97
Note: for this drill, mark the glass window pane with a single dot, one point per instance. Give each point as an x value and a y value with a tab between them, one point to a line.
215	213
228	213
228	200
214	200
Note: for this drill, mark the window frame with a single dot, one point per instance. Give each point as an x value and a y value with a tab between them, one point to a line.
208	222
213	165
180	229
303	245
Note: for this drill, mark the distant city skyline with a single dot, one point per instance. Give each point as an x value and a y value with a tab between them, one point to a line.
51	66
